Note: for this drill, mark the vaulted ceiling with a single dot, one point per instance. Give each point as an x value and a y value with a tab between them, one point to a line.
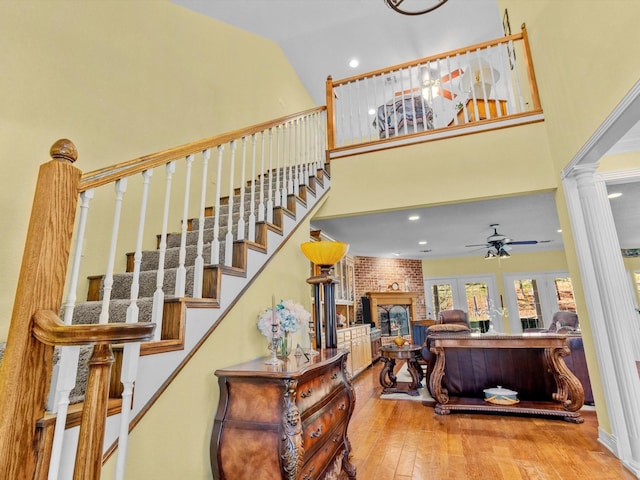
320	37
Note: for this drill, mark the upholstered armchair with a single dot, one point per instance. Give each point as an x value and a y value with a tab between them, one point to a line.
448	321
563	321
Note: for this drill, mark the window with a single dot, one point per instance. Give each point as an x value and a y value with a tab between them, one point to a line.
475	295
533	298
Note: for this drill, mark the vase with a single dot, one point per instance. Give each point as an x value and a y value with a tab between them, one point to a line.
284	345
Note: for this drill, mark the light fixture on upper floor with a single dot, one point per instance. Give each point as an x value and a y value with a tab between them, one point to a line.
414	7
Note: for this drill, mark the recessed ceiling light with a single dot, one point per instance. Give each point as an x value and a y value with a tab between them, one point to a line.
372	111
396	254
353	63
614	195
414	217
559	230
422	242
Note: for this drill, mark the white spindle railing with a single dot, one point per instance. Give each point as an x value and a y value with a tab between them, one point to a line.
158	295
181	251
198	271
121	187
252	204
480	83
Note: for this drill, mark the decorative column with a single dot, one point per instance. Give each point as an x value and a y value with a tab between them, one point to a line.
611	312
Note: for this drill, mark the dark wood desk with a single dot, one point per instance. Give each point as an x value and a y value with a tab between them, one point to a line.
410	354
564	402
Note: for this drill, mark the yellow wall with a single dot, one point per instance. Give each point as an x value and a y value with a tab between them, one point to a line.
121	80
453	170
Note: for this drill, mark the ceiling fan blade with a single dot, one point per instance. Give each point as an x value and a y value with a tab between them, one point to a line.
522	242
479	245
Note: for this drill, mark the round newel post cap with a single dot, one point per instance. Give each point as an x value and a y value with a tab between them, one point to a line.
64	149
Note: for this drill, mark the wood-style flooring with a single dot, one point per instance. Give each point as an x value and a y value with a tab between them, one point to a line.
403	439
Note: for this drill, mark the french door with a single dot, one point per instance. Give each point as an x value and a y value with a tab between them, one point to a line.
533	298
476	295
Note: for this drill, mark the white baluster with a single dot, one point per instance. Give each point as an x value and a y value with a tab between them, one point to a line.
276	193
66	369
261	178
215	243
303	180
181	273
283	191
131	352
243	179
359	109
270	188
198	270
252	206
121	187
296	159
228	239
292	135
158	295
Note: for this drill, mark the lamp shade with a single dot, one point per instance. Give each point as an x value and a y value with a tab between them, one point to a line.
324	252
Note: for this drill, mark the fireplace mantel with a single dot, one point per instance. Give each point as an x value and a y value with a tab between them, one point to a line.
392	298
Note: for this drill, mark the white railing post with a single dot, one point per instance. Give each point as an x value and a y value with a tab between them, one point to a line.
158	295
181	273
270	192
121	187
252	206
64	375
131	352
198	270
215	242
243	179
261	177
228	239
276	193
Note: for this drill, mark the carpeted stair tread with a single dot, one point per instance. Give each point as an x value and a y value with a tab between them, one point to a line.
121	287
87	313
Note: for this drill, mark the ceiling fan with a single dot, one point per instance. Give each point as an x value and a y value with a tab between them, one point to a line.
498	244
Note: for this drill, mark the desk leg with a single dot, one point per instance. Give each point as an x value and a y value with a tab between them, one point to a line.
387	376
570	392
440	393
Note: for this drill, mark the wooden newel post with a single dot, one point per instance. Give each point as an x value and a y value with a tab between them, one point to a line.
25	372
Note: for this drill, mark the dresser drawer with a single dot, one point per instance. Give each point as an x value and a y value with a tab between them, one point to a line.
314	390
322	425
324	457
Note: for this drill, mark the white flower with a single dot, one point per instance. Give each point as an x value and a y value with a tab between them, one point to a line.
289	316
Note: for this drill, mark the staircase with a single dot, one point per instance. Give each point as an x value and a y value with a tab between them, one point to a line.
185	286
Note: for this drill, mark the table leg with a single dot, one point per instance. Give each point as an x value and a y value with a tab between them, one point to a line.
387	376
416	373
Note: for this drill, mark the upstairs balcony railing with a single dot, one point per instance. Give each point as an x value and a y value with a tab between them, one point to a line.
484	86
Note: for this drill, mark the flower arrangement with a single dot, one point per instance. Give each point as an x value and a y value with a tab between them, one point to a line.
289	317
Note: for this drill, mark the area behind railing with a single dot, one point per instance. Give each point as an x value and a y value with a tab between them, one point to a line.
484	86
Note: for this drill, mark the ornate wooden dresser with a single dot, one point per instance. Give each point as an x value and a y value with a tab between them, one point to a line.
286	421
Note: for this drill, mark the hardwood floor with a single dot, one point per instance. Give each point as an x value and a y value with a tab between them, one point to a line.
403	439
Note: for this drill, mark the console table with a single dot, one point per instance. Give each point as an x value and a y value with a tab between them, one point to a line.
494	352
284	422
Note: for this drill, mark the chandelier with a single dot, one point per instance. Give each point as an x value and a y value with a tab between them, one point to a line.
414	7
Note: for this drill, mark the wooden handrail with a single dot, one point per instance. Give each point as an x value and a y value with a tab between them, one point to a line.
49	329
420	61
134	166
